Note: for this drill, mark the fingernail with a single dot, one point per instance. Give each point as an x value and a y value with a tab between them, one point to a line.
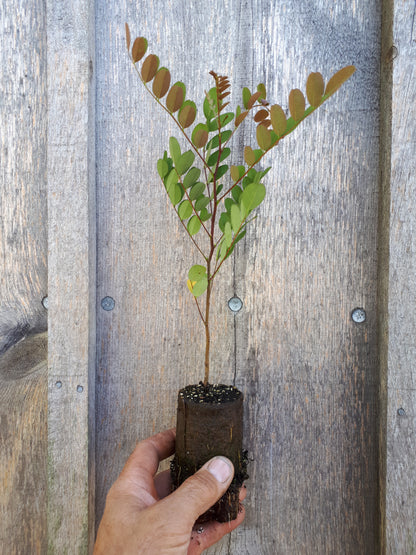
220	468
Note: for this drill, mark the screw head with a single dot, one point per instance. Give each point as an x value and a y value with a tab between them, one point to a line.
45	302
80	389
58	384
108	303
358	315
235	304
401	412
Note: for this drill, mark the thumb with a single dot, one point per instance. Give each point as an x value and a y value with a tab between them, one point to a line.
199	492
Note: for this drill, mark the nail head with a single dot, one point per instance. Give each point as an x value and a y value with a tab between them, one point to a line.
108	303
401	412
358	315
80	389
235	304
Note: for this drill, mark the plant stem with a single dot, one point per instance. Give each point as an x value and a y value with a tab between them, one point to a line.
207	333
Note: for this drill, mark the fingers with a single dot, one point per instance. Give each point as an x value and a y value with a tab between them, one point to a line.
144	461
205	535
199	492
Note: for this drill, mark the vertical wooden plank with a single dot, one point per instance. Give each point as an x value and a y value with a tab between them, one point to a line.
309	372
400	504
71	207
23	278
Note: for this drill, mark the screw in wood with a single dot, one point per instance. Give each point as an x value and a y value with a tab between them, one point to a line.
401	412
80	389
58	385
235	304
45	303
358	315
108	303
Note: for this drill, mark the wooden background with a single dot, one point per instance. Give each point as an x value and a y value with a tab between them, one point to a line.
330	411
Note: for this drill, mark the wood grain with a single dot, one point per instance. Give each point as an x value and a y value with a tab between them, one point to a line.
23	278
71	244
309	373
401	374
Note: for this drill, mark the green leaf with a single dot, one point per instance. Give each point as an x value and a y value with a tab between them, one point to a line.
215	141
194	225
175	193
201	202
236	193
224	218
171	179
246	97
196	190
228	236
200	287
175	150
261	88
204	215
251	197
236	218
185	210
185	162
210	104
222	249
162	168
197	272
200	135
213	159
228	202
191	177
222	170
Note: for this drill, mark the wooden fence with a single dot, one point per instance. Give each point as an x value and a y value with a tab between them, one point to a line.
97	329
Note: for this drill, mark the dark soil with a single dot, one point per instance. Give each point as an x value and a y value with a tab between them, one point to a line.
210	423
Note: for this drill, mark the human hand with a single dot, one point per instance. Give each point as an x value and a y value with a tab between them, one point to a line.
141	516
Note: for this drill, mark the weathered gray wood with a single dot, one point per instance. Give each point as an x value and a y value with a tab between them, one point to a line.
400	503
23	278
309	373
71	208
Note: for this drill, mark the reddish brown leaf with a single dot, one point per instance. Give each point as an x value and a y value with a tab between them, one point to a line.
239	119
264	137
338	79
149	67
187	114
278	118
296	104
249	156
128	37
161	82
175	97
261	115
139	49
253	99
315	87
